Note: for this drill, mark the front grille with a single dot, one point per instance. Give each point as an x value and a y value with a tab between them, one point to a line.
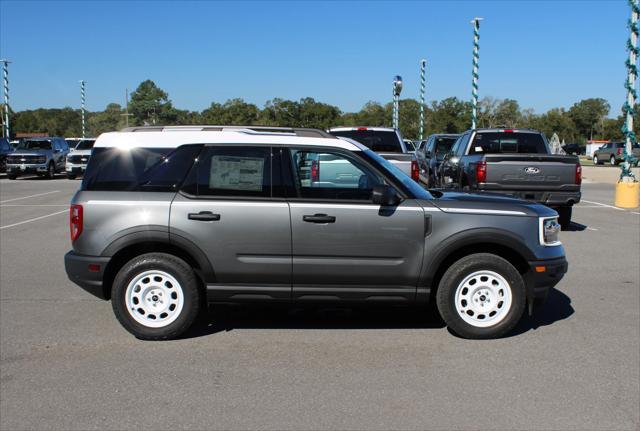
78	159
28	160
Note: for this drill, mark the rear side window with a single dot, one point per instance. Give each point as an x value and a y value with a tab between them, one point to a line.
378	141
139	169
501	143
231	171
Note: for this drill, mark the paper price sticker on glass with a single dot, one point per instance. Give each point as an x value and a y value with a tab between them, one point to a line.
236	173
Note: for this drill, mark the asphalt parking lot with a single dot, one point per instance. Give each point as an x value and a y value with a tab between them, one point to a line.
65	362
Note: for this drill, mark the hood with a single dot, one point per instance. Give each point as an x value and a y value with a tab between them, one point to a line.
31	152
489	203
80	153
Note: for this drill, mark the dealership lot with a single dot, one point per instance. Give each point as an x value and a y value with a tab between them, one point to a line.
65	362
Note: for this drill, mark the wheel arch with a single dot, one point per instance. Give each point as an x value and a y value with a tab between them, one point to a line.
493	241
125	249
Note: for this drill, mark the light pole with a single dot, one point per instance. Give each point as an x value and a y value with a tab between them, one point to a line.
423	66
397	89
628	188
82	94
474	82
126	104
5	86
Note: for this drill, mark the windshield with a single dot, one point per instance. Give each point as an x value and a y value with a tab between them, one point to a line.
376	140
86	144
397	173
500	143
35	145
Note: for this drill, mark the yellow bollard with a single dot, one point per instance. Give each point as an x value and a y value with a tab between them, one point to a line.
627	194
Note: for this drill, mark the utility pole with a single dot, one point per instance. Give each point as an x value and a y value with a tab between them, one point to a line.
474	82
423	65
82	99
126	104
397	88
5	85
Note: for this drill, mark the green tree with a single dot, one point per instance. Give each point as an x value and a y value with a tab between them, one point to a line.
450	115
588	115
234	112
106	121
557	120
151	105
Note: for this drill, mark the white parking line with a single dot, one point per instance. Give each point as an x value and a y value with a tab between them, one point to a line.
37	205
27	197
33	219
602	205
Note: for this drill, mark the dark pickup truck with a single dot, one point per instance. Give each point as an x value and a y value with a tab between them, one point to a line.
514	162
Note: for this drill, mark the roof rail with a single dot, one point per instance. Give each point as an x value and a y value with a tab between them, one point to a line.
296	131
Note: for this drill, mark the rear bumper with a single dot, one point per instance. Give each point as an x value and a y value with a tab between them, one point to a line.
77	267
538	283
549	198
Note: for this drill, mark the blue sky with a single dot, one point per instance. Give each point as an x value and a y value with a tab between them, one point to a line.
542	53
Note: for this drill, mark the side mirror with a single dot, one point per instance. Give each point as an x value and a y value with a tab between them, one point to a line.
385	195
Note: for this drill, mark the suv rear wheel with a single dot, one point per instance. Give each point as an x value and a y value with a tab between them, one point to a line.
481	296
612	160
596	161
155	296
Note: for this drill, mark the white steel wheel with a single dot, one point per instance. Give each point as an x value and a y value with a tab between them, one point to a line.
595	160
483	299
154	298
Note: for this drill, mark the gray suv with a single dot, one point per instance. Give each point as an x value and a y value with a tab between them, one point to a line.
41	156
167	221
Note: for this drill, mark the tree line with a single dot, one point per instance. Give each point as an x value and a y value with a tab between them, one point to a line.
149	105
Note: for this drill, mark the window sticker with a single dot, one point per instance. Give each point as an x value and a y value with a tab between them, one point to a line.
236	173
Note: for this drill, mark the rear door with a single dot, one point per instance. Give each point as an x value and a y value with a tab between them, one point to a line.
232	208
344	246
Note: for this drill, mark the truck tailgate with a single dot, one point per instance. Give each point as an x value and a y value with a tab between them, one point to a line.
531	172
401	160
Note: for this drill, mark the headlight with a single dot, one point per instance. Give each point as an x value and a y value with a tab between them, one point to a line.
549	231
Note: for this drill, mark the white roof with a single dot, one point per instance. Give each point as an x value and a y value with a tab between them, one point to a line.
172	138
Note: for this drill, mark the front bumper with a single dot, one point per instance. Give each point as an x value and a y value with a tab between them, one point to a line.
539	282
78	271
27	169
75	169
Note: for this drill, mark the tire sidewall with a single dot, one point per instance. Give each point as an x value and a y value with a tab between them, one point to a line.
178	269
456	274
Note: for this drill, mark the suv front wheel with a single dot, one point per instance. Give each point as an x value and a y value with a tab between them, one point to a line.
481	296
155	296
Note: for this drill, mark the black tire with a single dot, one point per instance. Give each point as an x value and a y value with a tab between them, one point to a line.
12	177
612	160
596	161
175	267
455	275
564	217
71	176
51	171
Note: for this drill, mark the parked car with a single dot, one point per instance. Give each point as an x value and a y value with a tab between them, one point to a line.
516	163
41	156
168	220
77	160
385	141
613	152
430	155
574	149
5	149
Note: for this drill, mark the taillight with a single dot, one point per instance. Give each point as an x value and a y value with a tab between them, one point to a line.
619	151
578	174
315	170
75	221
508	130
481	172
415	171
362	129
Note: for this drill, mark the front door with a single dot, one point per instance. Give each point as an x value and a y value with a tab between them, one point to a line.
228	209
344	246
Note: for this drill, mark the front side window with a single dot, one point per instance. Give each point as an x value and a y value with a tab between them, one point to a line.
232	171
331	175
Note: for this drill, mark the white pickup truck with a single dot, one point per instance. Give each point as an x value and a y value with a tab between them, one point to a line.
385	141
